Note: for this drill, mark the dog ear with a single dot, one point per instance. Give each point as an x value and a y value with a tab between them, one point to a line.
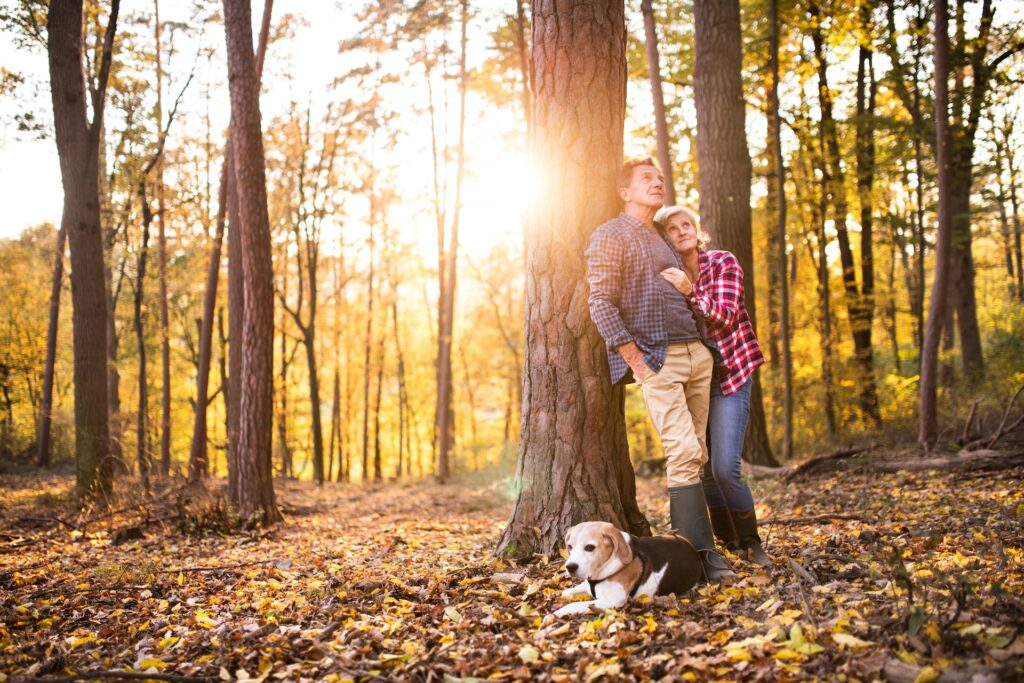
620	547
569	534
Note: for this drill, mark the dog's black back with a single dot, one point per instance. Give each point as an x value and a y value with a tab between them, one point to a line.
684	567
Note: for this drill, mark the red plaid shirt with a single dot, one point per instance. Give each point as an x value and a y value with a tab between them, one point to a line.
718	295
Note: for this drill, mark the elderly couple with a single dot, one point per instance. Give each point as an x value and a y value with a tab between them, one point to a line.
673	317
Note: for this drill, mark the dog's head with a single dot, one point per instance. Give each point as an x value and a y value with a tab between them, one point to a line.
596	550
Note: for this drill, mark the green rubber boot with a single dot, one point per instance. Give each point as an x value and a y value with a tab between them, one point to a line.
690	520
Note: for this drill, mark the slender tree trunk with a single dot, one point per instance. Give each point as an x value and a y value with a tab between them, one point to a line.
725	170
445	411
78	151
1016	222
780	228
255	483
825	296
282	413
1004	221
403	396
113	376
573	455
858	301
198	462
43	457
660	124
524	65
165	340
378	472
865	308
142	418
236	309
366	357
937	309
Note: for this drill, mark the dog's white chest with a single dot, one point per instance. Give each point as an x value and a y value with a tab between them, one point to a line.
650	586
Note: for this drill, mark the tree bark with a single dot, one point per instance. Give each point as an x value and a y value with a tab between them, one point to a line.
255	483
43	456
660	124
142	416
78	151
937	308
780	240
725	172
574	457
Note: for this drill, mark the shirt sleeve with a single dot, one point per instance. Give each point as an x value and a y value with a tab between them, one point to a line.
719	300
605	258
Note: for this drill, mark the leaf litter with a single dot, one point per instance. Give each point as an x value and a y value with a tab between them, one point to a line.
919	577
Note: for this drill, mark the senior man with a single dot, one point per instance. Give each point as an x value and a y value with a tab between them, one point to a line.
654	338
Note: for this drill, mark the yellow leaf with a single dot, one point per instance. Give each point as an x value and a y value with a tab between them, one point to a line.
745	622
528	653
650	626
927	675
786	654
846	640
453	614
81	641
151	663
906	657
738	654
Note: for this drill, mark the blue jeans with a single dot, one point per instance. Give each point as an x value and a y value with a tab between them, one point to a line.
727	425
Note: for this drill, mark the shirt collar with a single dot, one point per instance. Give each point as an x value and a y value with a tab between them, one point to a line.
633	221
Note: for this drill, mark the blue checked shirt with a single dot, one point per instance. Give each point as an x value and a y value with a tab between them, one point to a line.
626	303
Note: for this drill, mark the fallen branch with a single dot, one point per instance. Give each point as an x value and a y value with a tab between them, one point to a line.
964	460
127	675
1001	430
811	519
813	463
966	434
191	570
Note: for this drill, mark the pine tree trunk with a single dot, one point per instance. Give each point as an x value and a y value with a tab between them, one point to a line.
236	310
255	483
43	456
725	172
78	151
660	124
573	456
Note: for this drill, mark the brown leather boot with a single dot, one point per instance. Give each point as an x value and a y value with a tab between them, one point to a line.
749	541
721	523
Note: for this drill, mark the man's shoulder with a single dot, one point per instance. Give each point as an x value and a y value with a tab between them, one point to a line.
614	228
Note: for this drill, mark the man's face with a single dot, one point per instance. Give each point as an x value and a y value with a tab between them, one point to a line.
682	232
647	188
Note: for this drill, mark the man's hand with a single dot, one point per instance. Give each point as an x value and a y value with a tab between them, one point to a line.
634	358
679	280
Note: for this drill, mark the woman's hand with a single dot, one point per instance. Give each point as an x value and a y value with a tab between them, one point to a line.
679	280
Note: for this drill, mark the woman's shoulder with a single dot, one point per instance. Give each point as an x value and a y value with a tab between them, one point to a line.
721	258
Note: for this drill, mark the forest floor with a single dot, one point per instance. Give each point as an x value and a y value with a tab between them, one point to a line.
906	576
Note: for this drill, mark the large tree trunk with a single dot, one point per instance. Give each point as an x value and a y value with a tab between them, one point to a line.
780	239
937	308
236	285
573	456
724	164
660	124
78	150
43	457
962	269
255	484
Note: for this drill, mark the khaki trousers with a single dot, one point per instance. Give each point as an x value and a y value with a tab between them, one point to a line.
677	400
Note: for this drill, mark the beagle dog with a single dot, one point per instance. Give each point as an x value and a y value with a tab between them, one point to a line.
616	566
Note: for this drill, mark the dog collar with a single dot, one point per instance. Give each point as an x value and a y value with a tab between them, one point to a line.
636	586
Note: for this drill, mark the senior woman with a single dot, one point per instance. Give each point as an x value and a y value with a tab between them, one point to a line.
712	281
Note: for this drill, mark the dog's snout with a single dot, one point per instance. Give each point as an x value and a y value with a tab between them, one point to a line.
571	567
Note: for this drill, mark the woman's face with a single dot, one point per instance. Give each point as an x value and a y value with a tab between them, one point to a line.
682	231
